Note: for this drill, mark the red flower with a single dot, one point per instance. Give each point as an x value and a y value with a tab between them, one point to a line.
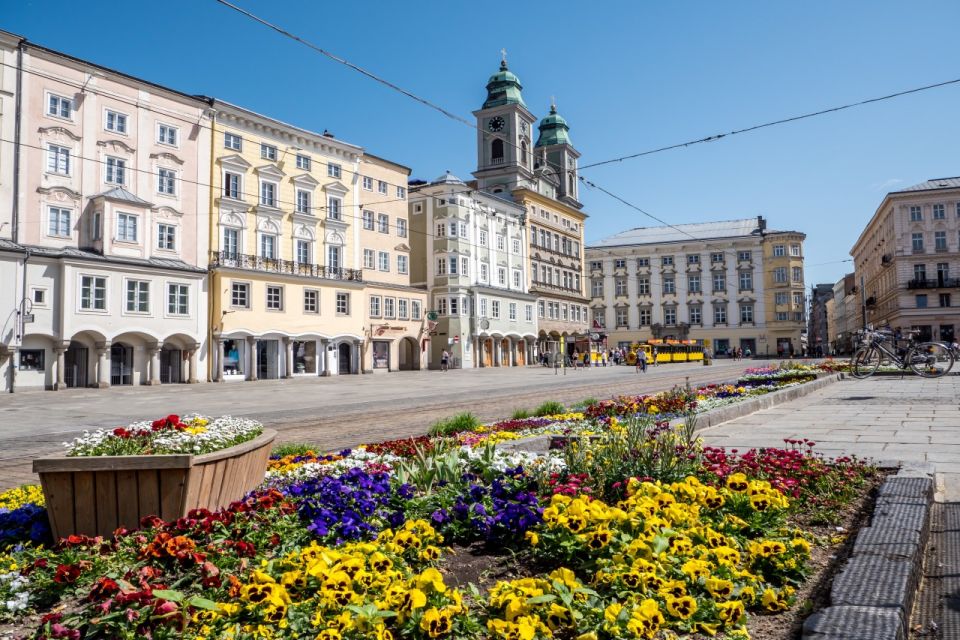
103	587
66	574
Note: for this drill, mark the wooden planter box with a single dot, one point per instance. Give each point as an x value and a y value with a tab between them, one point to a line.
97	494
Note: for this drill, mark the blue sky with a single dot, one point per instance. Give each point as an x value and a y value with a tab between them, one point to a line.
628	76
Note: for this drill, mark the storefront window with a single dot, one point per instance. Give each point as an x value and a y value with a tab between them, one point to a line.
381	354
304	357
233	357
31	359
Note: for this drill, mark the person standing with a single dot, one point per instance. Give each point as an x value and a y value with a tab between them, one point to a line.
642	361
445	361
654	356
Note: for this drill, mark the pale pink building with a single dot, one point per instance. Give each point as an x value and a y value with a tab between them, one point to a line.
110	224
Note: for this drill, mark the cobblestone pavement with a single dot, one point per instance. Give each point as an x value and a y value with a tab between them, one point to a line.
888	419
332	413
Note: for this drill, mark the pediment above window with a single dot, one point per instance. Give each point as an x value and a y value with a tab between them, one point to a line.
168	212
334	237
58	132
59	193
233	219
306	181
270	171
116	144
166	155
235	162
268	225
401	247
304	232
271	213
335	188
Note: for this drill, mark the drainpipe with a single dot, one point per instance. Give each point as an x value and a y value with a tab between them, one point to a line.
18	110
21	321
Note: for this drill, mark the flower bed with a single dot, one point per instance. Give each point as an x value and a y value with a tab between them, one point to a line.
635	532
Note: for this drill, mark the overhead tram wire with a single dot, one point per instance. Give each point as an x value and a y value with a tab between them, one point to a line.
772	123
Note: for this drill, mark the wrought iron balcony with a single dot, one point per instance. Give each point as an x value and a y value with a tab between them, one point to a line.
937	283
288	267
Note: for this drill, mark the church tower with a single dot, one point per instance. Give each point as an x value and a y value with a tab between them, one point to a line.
504	149
556	158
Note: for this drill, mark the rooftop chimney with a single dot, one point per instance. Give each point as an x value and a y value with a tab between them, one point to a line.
761	224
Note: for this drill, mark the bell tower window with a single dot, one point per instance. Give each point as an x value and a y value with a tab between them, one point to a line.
523	153
496	152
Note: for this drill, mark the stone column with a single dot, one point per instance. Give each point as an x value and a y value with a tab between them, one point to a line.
358	356
497	349
154	351
192	359
103	364
61	383
252	358
514	345
219	359
327	358
288	343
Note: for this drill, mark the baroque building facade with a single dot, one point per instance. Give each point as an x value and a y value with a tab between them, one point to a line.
730	284
907	259
105	244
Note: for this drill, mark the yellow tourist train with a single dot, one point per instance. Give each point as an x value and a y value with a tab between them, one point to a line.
667	351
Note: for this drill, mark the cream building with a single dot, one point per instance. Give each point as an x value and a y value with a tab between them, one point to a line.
908	260
704	281
106	241
298	218
541	176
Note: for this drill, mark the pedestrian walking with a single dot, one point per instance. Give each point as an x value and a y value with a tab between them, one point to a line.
642	361
655	359
445	361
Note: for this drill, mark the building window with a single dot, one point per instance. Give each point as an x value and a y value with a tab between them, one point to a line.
516	278
138	296
116	122
719	314
746	314
303	201
59	222
333	170
415	309
779	250
501	276
495	308
719	283
797	274
782	316
646	317
453	266
922	301
232	141
60	107
943	272
939	212
483	307
940	240
31	359
512	311
669	286
333	208
919	272
944	299
58	160
693	258
381	187
798	299
717	258
619	263
166	237
620	285
643	262
958	209
515	246
367	183
917	242
274	298
268	152
40	297
374	306
303	251
795	250
343	304
666	261
383	260
231	241
696	315
781	297
454	306
746	281
401	192
693	284
442	306
126	227
780	274
383	223
178	299
389	307
116	170
501	242
401	227
231	185
368	220
483	271
621	318
240	295
596	288
311	301
268	194
403	263
93	293
915	214
442	266
268	246
167	134
167	181
304	162
643	286
744	256
369	259
402	308
670	316
483	238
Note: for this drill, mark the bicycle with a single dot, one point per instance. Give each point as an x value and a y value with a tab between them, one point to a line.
926	359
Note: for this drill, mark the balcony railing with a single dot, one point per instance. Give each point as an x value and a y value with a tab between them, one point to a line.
288	267
558	287
938	283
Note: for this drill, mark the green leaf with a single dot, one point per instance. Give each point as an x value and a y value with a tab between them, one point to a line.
168	594
660	544
200	603
547	597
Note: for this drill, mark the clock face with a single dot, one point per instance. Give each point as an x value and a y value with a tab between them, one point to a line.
523	127
496	124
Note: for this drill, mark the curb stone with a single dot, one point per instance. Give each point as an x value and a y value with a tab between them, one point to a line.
872	597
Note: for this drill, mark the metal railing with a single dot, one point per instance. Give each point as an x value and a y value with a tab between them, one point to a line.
935	283
273	265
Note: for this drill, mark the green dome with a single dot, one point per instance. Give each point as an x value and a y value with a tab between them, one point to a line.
503	87
553	130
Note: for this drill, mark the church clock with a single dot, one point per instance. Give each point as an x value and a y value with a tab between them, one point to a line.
496	124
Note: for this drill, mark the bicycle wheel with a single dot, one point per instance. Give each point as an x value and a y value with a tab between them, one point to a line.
865	362
930	359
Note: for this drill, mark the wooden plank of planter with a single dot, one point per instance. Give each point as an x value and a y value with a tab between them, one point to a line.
107	510
204	475
219	467
128	499
149	492
85	503
172	485
111	463
58	492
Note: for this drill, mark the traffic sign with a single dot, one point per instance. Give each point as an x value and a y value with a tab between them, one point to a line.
432	316
456	339
29	317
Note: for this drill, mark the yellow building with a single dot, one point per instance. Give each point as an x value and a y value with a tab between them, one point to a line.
784	291
287	286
